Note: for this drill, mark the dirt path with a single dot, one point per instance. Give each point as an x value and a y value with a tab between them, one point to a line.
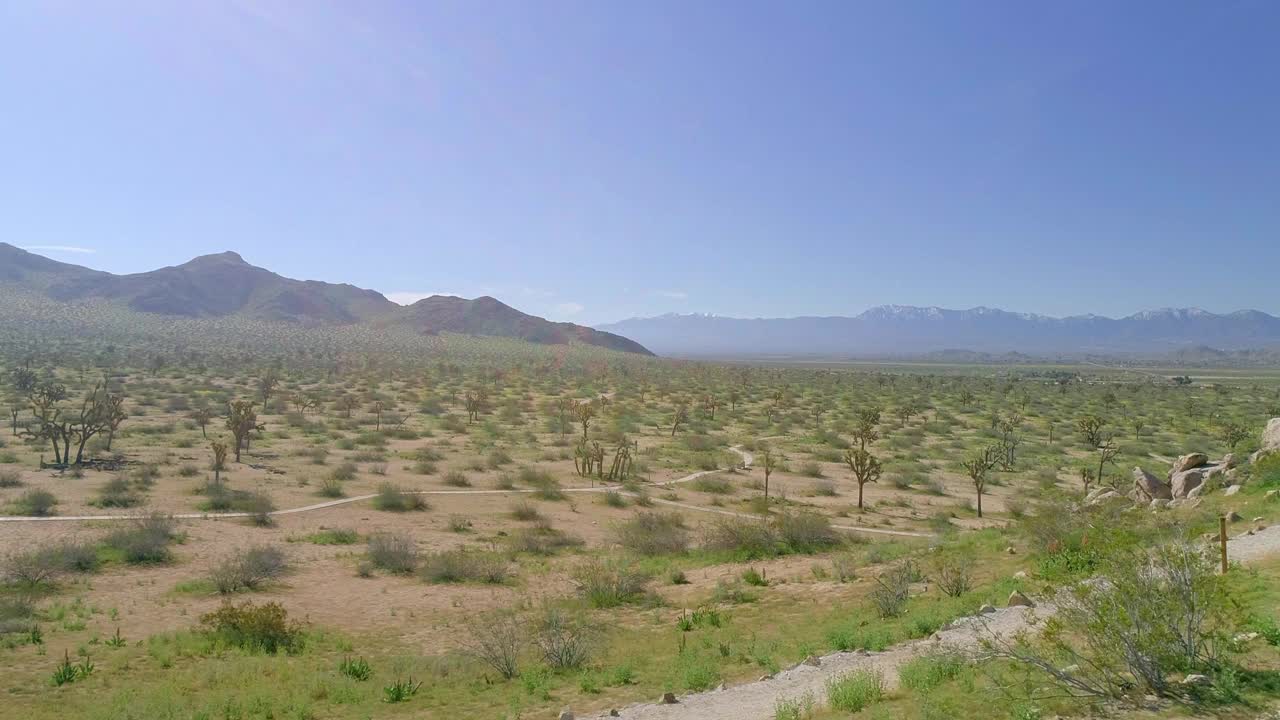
747	460
758	700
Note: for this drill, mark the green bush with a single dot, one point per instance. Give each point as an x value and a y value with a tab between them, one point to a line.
926	672
852	692
257	628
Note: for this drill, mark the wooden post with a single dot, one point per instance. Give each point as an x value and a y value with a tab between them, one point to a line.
1222	541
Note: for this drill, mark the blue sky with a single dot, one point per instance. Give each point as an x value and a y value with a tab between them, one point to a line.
595	160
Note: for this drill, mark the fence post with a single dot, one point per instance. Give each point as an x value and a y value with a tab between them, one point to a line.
1222	541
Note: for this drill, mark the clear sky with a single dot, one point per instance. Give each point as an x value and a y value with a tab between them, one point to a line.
595	160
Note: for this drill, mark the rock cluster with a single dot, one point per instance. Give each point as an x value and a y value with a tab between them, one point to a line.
1191	475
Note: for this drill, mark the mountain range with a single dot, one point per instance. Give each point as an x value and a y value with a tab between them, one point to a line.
896	330
224	285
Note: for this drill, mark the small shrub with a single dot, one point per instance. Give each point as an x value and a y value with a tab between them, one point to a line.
36	503
754	577
393	552
852	692
459	523
455	478
333	536
400	690
954	573
10	479
653	533
392	499
749	538
805	532
260	507
926	672
356	669
892	591
609	584
525	511
462	566
249	569
563	639
257	628
331	488
146	540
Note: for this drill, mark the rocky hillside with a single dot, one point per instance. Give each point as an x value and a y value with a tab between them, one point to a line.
225	286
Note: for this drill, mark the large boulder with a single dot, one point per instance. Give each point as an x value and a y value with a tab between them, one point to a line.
1149	487
1188	462
1271	435
1182	483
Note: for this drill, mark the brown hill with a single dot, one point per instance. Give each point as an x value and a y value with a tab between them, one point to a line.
224	285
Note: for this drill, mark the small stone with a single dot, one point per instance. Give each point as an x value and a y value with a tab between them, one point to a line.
1017	599
1246	637
1010	550
1071	669
812	661
1259	519
1231	491
1196	680
1020	575
668	698
765	677
1259	527
1271	495
1234	516
720	687
613	712
566	714
986	610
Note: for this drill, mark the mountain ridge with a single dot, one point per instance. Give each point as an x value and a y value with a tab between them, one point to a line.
907	329
225	285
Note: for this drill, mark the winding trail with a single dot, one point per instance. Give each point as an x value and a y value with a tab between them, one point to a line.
747	460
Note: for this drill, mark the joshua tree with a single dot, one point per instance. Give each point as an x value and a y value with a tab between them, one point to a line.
864	429
865	467
475	403
768	461
63	428
219	449
267	386
1107	452
679	416
1090	426
1232	434
114	416
242	421
977	467
202	417
564	409
346	404
1138	423
15	407
584	413
621	468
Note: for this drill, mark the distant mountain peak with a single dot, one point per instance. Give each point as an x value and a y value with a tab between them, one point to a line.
224	284
888	330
